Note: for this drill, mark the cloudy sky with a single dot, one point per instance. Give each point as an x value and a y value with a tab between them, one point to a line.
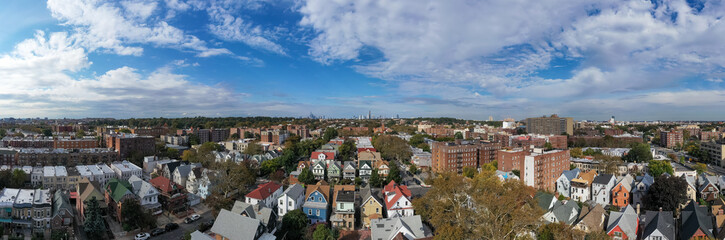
589	59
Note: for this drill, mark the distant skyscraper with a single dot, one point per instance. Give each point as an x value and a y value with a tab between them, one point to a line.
612	121
490	118
370	116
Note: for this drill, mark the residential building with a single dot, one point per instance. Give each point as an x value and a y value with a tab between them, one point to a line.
127	144
622	192
563	183
542	168
181	174
147	194
176	140
318	169
409	227
695	222
7	199
265	195
125	169
581	186
232	226
316	202
708	187
602	188
691	192
75	143
62	217
42	210
172	195
343	207
562	212
151	131
591	219
334	170
553	125
86	191
266	216
371	207
116	192
511	159
366	160
641	187
382	167
421	158
670	139
714	150
98	172
192	181
348	171
455	156
291	199
546	201
62	157
624	224
397	200
658	225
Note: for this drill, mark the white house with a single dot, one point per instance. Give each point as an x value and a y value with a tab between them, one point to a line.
602	188
397	200
291	199
181	174
147	194
640	188
124	170
192	181
566	213
265	195
563	183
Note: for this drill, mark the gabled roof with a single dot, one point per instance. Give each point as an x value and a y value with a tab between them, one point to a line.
264	191
235	226
544	200
329	155
61	202
88	189
593	218
396	191
563	212
142	188
694	218
627	221
388	228
324	189
571	174
368	156
367	195
164	184
183	170
661	221
349	165
118	188
339	188
627	181
334	165
603	179
706	181
197	172
294	191
256	211
588	176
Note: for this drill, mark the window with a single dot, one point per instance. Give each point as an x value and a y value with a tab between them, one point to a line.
318	212
309	211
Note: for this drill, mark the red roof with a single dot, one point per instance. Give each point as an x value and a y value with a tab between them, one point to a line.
264	191
328	155
399	191
366	149
164	184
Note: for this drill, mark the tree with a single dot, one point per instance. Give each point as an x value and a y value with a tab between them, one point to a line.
124	130
269	166
469	172
700	168
554	231
658	167
459	135
294	224
18	178
548	146
253	149
189	155
492	166
640	152
424	146
417	139
667	192
375	180
248	135
576	153
347	150
234	136
394	172
392	148
135	216
94	225
80	134
413	169
481	208
208	147
306	176
231	177
47	132
323	233
330	133
194	139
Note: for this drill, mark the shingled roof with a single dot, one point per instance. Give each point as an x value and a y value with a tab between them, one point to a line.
661	221
695	219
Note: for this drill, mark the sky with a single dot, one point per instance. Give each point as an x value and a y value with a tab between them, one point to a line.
587	59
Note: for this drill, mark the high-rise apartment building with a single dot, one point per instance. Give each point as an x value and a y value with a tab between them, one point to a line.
538	168
127	144
454	156
670	138
550	125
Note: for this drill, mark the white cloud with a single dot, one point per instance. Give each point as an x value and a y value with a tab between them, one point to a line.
37	79
101	25
228	25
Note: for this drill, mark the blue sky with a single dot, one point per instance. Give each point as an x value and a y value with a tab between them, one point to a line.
637	60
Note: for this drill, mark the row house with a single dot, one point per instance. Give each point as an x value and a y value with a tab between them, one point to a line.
125	169
371	207
87	190
563	183
621	192
147	194
581	186
100	172
602	187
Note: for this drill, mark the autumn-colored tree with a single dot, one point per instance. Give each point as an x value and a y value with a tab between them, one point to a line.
478	208
576	152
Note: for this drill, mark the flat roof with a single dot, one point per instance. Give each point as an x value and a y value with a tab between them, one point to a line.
7	197
60	171
48	171
25	196
126	166
41	196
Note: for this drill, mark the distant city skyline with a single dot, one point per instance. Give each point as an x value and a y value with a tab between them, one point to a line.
636	60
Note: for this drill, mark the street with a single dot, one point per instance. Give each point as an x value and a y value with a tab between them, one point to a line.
183	227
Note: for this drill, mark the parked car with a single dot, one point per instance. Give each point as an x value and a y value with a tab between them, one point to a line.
192	219
171	226
142	236
157	231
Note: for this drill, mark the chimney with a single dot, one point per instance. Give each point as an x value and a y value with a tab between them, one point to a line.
660	209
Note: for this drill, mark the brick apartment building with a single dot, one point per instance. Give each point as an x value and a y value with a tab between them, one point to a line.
75	143
671	138
553	125
154	131
454	156
276	136
538	168
63	157
539	141
613	131
709	135
299	130
440	131
209	135
28	142
127	144
62	129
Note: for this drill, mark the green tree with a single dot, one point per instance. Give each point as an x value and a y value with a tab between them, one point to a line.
194	139
234	136
253	148
294	224
47	132
330	133
135	216
124	130
18	178
347	150
189	155
658	167
306	176
469	172
269	166
323	233
459	135
554	231
94	225
413	169
576	153
424	146
375	180
392	148
394	172
700	168
80	134
548	146
248	135
417	139
640	152
667	192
